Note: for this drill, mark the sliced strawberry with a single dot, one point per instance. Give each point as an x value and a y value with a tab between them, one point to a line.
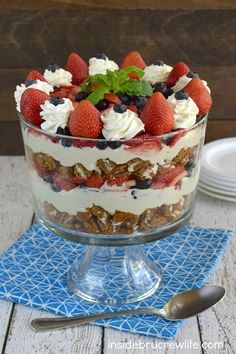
85	121
62	93
133	108
133	59
157	115
200	95
62	183
175	138
178	70
83	143
94	181
78	181
35	75
31	100
143	144
77	67
112	98
171	177
118	181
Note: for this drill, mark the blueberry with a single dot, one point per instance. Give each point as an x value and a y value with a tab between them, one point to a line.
181	95
190	166
161	87
192	74
48	179
158	62
134	194
101	105
140	102
55	188
30	82
101	56
56	101
53	67
143	184
119	108
115	144
66	142
63	131
126	99
101	145
81	96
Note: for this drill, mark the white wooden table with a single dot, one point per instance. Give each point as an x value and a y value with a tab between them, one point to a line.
16	336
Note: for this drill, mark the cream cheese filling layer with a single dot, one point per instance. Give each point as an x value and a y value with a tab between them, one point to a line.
78	199
69	156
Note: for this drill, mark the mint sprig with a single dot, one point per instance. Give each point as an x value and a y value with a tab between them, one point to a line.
116	81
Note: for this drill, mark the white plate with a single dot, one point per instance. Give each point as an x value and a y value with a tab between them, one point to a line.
215	195
216	190
219	159
217	184
215	177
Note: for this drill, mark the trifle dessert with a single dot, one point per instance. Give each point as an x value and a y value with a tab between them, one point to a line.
113	149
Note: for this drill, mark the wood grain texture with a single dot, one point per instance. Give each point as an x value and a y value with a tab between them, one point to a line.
12	143
117	4
221	80
15	216
199	37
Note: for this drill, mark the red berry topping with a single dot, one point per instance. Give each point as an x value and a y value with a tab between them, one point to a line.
178	70
157	115
112	98
35	75
30	105
77	67
62	93
85	121
171	177
133	59
94	181
133	108
118	181
199	93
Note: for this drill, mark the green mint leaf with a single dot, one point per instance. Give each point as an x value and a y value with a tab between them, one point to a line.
137	88
131	69
97	95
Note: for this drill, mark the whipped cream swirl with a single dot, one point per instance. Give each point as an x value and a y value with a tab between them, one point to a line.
59	77
121	125
183	81
55	116
185	111
156	73
100	66
39	85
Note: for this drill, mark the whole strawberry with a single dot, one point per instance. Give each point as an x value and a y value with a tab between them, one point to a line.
200	95
30	105
77	67
178	70
35	75
157	115
85	121
133	59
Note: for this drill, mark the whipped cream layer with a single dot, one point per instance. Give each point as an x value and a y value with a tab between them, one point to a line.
78	199
69	156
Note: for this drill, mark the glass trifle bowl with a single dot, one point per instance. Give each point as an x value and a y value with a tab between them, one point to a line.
114	196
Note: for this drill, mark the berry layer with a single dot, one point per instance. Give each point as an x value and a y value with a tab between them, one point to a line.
134	201
88	156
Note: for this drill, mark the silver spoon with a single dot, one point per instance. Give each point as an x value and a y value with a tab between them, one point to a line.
179	307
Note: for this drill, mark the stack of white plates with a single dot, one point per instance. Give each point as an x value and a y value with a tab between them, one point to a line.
218	170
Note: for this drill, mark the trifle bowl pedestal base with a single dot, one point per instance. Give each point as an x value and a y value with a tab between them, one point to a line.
114	275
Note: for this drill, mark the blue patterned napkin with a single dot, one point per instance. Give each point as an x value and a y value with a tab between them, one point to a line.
34	272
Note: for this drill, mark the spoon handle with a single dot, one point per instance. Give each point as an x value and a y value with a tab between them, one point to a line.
46	324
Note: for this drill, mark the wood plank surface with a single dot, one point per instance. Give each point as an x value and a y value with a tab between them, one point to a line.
116	4
199	37
221	79
15	216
